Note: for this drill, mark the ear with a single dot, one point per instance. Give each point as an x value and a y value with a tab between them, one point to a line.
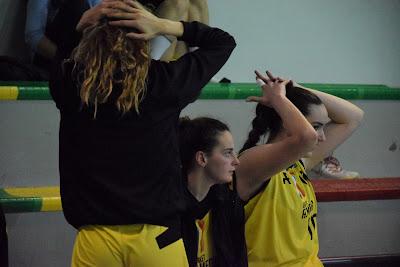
201	158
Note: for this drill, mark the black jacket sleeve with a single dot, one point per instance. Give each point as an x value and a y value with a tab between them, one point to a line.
184	78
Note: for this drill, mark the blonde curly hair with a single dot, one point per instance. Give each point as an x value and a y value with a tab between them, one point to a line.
105	51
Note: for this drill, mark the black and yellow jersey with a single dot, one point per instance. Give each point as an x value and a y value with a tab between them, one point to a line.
281	222
204	249
213	230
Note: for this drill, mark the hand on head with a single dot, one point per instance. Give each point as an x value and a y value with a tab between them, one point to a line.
132	14
272	87
127	13
95	14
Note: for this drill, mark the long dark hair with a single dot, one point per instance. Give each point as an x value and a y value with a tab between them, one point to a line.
227	213
267	120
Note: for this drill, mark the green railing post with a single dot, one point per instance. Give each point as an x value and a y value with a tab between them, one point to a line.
39	91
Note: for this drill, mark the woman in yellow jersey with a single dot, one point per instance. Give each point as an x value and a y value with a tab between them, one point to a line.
302	127
214	224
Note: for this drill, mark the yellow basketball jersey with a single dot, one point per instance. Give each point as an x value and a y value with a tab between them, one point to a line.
281	224
204	251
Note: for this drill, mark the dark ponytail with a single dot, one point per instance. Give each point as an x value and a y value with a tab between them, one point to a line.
267	120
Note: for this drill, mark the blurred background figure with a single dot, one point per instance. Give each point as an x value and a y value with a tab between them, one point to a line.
42	33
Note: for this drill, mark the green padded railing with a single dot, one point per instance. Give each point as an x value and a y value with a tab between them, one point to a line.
30	199
39	91
346	91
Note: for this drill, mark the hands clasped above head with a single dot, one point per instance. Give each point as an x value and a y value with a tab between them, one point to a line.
127	13
272	87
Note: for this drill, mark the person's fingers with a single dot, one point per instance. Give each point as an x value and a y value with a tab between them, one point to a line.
260	82
138	36
270	83
134	4
108	4
270	76
121	16
124	23
254	99
93	16
122	6
106	11
109	1
260	76
103	12
285	82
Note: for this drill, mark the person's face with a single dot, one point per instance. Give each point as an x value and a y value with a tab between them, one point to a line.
222	160
318	118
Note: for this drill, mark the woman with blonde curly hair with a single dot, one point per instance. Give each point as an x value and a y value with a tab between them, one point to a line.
120	171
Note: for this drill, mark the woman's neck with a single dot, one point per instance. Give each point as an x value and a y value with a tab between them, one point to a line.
198	184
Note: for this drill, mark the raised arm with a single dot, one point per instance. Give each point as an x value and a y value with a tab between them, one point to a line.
260	162
345	118
184	78
132	15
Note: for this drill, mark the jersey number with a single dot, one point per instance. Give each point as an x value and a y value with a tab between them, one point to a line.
311	225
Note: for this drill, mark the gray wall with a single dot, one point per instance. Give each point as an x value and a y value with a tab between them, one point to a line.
338	41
